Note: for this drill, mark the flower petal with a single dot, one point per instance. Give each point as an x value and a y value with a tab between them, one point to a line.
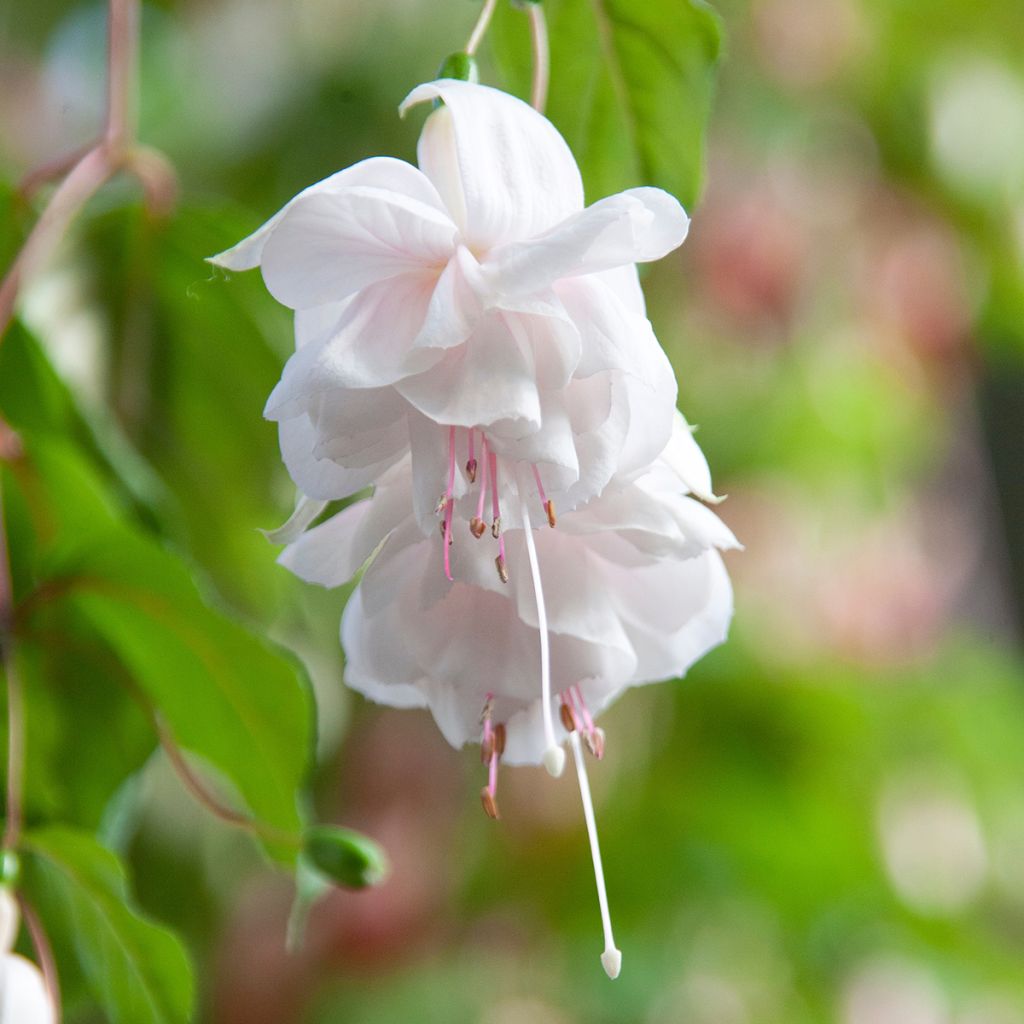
322	478
306	510
379	171
23	995
502	168
329	245
491	378
637	226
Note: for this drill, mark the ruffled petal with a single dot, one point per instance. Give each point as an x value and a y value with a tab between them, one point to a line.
637	226
502	168
306	510
492	378
321	478
379	171
331	244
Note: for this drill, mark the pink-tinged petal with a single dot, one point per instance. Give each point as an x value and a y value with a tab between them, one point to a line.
379	172
683	456
489	379
637	226
324	479
306	510
23	995
502	168
364	342
333	552
456	304
329	245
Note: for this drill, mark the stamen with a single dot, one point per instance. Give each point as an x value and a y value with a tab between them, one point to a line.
495	507
491	749
499	564
554	756
568	718
449	505
593	735
611	958
476	524
471	464
546	503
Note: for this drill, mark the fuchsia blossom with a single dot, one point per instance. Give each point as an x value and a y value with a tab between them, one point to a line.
473	341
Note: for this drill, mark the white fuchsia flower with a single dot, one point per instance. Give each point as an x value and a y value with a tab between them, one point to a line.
635	592
23	995
472	304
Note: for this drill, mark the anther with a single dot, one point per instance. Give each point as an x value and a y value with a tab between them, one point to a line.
595	741
471	470
567	718
499	739
477	527
490	804
496	527
549	507
442	504
502	568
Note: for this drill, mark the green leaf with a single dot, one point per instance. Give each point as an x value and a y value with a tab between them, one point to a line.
137	971
631	85
223	693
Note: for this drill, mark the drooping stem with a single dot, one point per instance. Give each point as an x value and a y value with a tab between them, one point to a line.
541	56
15	697
44	953
480	28
116	150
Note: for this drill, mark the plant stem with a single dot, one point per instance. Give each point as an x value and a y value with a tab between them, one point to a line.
47	961
480	28
15	697
541	57
115	151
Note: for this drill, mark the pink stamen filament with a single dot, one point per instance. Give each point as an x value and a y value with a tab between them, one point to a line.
577	694
495	507
472	455
449	505
483	478
540	490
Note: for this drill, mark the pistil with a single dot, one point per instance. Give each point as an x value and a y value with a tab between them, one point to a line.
554	756
611	958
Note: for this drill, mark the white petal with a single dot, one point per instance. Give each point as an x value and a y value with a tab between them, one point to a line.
329	245
503	170
489	379
379	171
365	342
637	226
333	552
455	304
322	478
685	459
23	995
306	510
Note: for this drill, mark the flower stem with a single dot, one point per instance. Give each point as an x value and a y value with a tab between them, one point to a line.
86	174
44	952
480	28
15	697
541	57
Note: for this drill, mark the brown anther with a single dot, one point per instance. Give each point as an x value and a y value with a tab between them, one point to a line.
549	507
490	804
444	528
442	504
477	527
595	742
471	470
502	569
567	719
496	527
499	739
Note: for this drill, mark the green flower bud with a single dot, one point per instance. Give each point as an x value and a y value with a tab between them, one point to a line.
345	857
460	66
10	868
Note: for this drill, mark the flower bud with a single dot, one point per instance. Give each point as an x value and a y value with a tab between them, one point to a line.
460	66
348	858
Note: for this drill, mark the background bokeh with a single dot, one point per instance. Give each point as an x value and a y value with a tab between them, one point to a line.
825	821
